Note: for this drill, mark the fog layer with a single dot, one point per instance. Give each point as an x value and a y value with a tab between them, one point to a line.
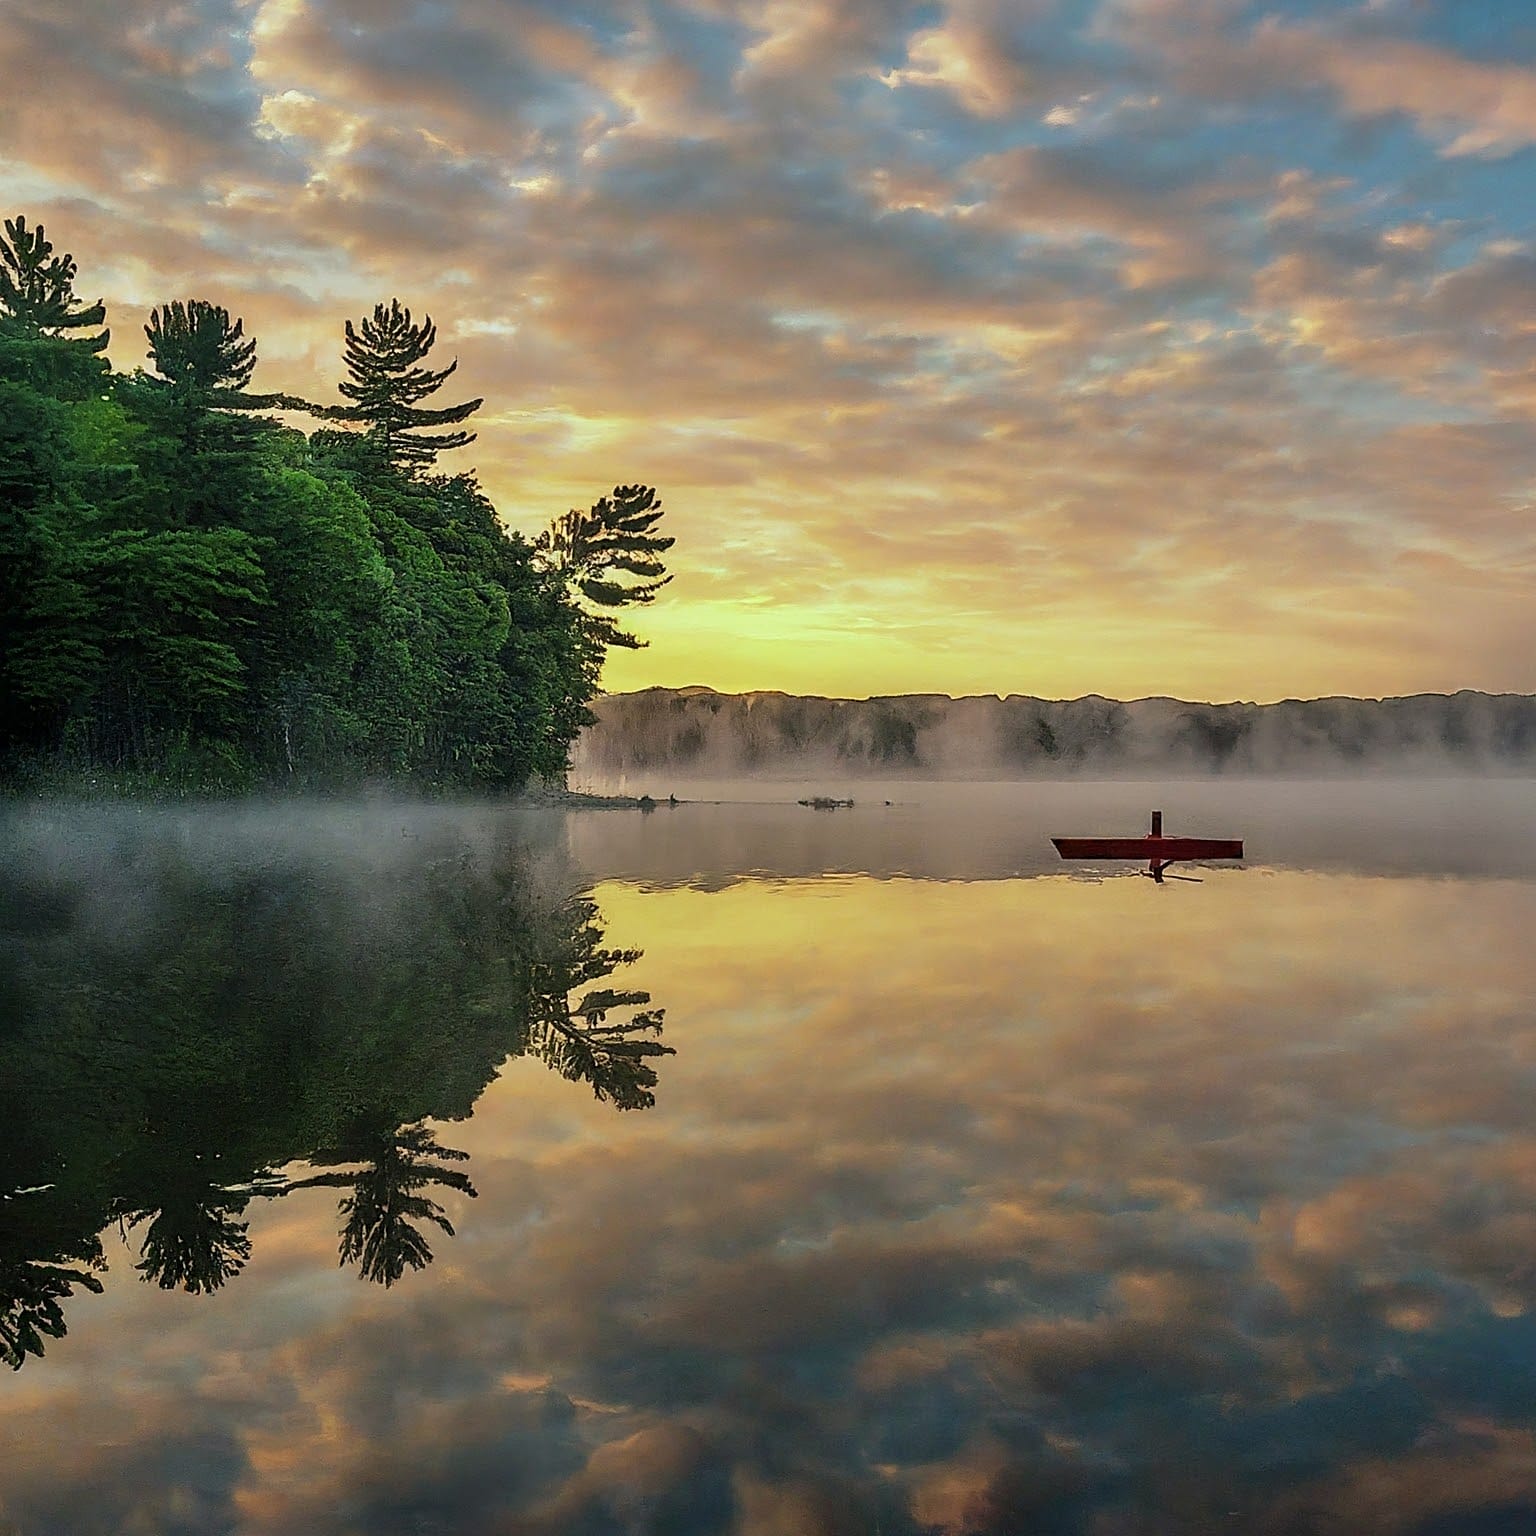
698	731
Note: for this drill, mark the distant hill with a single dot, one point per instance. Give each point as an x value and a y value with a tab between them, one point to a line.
696	732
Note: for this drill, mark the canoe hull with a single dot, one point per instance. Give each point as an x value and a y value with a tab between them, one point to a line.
1162	849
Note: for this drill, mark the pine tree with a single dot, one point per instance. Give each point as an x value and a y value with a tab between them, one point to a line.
37	289
383	356
197	349
594	551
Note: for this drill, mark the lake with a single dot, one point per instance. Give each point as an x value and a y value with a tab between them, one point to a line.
742	1169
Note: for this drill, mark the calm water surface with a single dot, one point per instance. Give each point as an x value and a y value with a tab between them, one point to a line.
349	1186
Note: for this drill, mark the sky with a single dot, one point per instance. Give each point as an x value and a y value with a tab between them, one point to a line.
987	346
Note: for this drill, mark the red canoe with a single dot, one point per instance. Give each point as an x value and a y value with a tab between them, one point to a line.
1156	849
1163	849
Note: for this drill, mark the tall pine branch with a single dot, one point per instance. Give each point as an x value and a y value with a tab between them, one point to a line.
386	382
204	355
199	350
610	557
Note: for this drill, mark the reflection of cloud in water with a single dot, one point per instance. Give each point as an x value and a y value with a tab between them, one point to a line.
1017	1206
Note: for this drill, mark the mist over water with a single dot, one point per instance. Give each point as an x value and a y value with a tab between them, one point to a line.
982	1194
735	828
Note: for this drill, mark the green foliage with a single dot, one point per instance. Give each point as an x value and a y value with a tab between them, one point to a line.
171	610
197	348
386	384
37	289
194	595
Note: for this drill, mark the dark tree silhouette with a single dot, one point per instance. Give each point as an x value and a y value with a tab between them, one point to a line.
37	292
194	1245
30	1310
198	349
43	1258
383	355
378	1233
575	1038
610	556
206	358
195	1240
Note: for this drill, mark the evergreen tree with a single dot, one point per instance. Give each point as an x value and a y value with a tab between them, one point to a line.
47	656
383	356
37	291
205	356
195	593
171	612
596	552
197	349
39	315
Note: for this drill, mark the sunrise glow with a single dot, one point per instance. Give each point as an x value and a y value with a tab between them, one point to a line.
1060	346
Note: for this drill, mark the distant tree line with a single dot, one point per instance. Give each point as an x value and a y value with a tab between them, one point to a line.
194	593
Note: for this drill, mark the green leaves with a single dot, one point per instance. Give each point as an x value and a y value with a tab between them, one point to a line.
191	591
170	608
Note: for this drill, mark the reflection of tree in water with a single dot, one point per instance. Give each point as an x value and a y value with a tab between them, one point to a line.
33	1290
194	1244
194	1240
576	1039
382	1216
379	1234
260	1019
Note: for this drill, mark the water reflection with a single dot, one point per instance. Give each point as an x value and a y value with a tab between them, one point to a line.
978	1207
747	829
171	1059
194	1238
380	1231
42	1263
577	1040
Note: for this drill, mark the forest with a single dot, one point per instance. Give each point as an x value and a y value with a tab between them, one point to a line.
197	595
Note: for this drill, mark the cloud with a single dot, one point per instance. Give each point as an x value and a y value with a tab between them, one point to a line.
1081	194
1465	106
981	54
955	334
1468	107
137	96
